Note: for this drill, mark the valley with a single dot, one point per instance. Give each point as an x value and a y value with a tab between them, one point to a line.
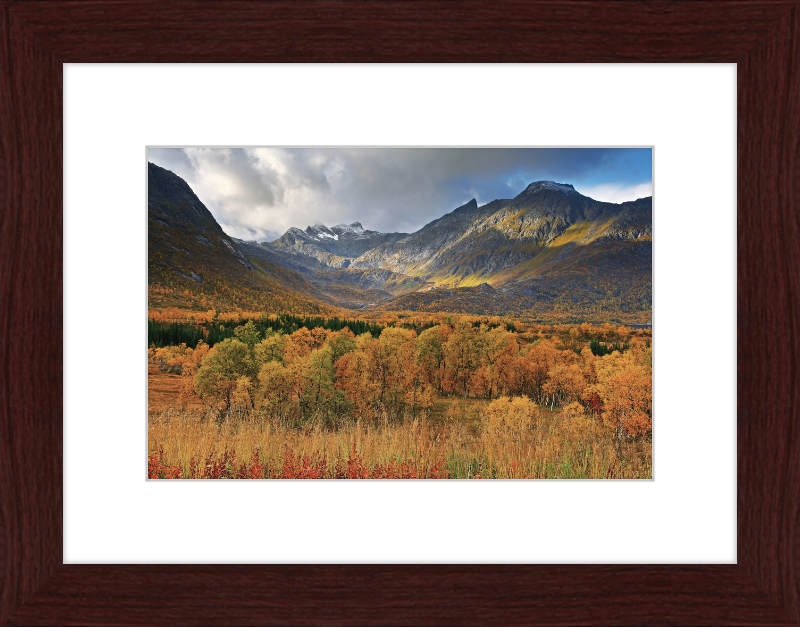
548	254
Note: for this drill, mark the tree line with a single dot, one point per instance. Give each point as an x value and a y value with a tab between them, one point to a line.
163	333
338	374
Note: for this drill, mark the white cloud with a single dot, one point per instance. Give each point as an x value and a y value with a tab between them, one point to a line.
616	193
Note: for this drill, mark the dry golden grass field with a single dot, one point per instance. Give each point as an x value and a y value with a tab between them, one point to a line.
454	441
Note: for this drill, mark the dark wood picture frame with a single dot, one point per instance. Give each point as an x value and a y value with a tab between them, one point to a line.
38	36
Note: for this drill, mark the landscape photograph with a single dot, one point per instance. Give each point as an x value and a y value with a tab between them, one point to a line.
399	313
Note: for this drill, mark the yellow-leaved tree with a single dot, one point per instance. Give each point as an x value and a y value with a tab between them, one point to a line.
222	368
625	386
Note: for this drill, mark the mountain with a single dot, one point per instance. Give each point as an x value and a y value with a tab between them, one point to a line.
414	253
511	239
193	263
550	251
334	247
176	216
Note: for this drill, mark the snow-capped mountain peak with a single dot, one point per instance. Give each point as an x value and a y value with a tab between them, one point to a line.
319	230
355	228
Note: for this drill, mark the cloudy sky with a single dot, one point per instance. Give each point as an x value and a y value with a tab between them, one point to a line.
258	193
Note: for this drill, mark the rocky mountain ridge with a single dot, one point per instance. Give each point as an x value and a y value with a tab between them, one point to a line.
334	247
510	239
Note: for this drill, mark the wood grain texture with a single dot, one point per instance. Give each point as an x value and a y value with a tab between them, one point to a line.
38	36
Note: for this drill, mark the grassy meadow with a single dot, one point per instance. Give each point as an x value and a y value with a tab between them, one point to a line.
453	441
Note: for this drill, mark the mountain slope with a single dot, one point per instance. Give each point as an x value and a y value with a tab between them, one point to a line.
602	282
510	239
191	258
430	245
288	258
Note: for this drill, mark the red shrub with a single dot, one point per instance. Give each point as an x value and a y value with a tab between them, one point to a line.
293	466
156	468
595	404
297	467
256	470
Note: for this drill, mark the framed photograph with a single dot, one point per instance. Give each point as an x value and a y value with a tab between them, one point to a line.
496	325
46	582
